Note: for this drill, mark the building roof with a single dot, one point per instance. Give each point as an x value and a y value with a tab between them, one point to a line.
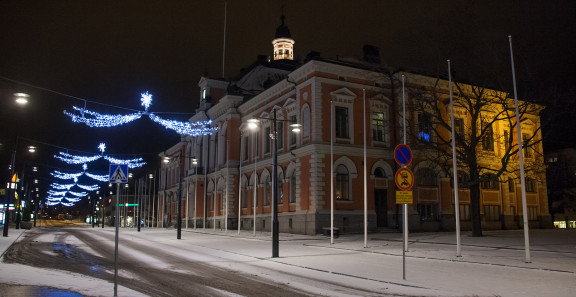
282	31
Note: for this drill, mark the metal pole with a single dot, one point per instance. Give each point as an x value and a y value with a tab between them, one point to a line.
521	155
179	223
331	172
255	187
240	186
139	207
9	194
116	224
275	231
227	177
207	148
365	174
195	190
454	167
404	206
187	204
92	216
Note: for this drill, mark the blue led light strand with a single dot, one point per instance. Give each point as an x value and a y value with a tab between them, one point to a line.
95	119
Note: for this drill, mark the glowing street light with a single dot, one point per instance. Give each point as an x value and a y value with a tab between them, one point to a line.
21	98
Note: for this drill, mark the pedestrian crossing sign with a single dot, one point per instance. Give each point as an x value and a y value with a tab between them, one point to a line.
118	173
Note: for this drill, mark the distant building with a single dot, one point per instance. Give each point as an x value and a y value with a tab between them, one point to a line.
229	174
561	177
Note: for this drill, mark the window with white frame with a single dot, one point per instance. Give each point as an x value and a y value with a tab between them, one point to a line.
342	183
380	126
266	140
305	122
244	148
244	196
292	136
280	135
341	122
255	144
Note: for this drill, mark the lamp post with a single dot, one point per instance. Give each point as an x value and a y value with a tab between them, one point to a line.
12	188
195	163
275	225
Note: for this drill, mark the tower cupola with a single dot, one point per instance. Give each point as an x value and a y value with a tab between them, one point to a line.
283	43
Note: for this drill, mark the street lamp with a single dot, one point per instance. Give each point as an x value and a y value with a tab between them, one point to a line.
179	211
21	98
195	163
252	124
12	189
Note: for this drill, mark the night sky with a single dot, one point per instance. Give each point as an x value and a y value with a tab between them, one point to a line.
111	51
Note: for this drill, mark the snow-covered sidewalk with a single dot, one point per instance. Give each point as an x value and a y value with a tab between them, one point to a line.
492	265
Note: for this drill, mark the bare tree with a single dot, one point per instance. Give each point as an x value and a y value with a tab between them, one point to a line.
484	155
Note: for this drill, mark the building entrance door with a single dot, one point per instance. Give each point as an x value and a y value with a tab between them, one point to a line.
381	207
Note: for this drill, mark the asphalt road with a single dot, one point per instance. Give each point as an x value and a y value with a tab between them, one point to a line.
146	267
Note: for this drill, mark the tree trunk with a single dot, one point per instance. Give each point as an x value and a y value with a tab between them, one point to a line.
475	210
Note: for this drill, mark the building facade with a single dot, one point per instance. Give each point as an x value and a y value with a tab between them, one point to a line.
348	110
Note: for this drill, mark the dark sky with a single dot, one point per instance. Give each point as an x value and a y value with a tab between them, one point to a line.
111	51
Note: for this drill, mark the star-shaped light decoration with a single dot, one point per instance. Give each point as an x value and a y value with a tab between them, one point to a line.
101	147
146	100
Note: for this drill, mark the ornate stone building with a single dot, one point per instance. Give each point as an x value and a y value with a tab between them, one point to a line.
226	179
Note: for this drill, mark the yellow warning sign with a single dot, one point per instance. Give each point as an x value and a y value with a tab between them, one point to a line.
404	179
404	197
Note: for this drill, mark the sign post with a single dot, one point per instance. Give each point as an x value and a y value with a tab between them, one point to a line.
118	175
404	181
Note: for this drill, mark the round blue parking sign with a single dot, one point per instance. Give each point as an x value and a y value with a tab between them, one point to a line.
403	154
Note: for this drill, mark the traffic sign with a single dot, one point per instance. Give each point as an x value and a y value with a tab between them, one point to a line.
404	179
403	154
118	173
404	197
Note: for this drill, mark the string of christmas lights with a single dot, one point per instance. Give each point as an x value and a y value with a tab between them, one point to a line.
95	119
75	159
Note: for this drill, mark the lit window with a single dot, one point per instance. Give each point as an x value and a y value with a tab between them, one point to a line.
342	183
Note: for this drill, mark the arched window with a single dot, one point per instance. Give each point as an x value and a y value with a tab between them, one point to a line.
267	193
427	177
293	188
342	183
380	173
244	195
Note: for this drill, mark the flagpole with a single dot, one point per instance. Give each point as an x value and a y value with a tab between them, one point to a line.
521	155
454	167
331	172
365	175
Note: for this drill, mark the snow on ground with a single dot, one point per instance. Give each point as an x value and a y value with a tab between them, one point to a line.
492	265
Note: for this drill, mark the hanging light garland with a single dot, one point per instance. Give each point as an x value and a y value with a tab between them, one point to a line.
94	119
75	159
